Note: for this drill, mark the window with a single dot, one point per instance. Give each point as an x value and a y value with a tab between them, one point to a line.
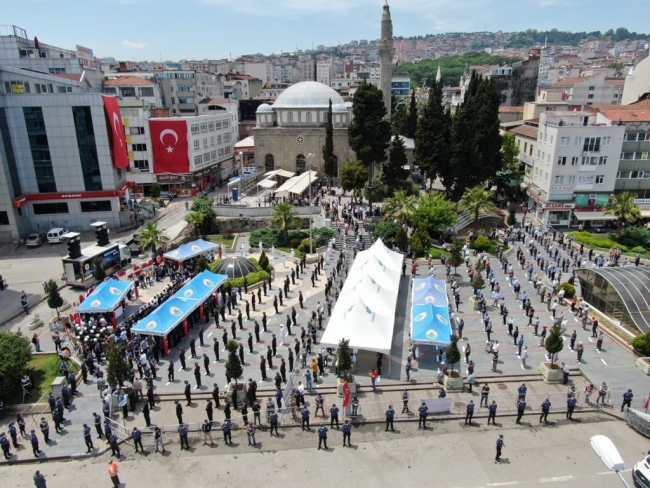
213	155
127	91
195	129
139	147
551	140
561	161
578	141
210	126
269	163
300	163
225	124
592	144
198	160
227	149
531	150
4	218
592	88
634	174
525	147
220	153
99	206
308	117
87	145
564	141
607	141
600	179
141	165
134	131
17	87
40	149
290	117
57	71
226	137
218	138
590	96
644	155
212	140
574	160
44	88
146	91
217	125
173	100
538	152
204	127
197	144
50	208
558	180
589	161
572	180
545	177
205	142
206	158
634	136
602	160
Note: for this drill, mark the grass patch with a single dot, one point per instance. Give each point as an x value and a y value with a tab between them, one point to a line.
288	251
225	240
604	242
46	368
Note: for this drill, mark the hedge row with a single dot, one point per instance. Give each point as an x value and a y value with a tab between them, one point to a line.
589	240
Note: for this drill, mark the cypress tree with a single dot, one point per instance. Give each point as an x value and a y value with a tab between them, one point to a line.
328	148
412	121
431	146
488	138
394	173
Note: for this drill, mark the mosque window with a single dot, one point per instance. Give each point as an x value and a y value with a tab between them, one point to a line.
300	164
269	162
290	117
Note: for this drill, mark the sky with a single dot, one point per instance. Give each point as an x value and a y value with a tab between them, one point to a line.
152	30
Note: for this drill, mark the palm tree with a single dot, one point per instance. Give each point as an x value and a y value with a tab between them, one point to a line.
285	218
195	219
622	207
477	200
152	237
400	207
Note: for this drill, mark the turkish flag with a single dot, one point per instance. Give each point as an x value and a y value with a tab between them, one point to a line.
346	392
115	127
169	146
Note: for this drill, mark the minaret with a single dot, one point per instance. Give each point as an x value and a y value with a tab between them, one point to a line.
386	52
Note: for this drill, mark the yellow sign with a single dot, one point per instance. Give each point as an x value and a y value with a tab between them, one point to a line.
17	88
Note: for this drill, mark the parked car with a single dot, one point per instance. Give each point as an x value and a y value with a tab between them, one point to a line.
35	239
55	236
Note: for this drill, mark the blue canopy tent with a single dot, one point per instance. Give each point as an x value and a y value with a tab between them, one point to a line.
106	297
201	286
163	319
190	250
430	323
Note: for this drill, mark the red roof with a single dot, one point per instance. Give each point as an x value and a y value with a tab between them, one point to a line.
625	113
571	81
127	80
615	81
70	76
525	130
510	109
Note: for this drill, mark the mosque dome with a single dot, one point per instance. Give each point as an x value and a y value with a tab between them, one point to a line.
265	108
340	108
307	94
235	267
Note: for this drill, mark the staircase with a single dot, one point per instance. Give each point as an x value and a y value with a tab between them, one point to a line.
350	240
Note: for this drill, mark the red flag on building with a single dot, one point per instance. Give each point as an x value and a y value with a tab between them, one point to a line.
647	403
115	126
169	146
346	392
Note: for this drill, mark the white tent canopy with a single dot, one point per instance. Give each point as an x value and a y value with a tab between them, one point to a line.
365	311
299	183
266	183
280	172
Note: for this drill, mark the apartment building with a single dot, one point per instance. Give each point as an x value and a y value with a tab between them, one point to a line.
592	90
574	168
325	71
182	89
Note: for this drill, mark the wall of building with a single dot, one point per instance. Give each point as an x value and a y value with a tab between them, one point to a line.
637	83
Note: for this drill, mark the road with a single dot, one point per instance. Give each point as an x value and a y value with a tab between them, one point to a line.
451	454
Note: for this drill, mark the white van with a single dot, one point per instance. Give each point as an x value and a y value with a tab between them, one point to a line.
641	473
55	236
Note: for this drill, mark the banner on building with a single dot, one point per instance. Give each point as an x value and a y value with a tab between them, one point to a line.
169	146
115	127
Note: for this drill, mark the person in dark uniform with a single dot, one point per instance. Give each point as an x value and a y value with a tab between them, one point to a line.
469	413
500	445
264	321
250	342
88	439
34	441
304	414
150	398
259	296
248	311
334	416
273	420
170	372
253	301
136	435
319	405
257	416
201	336
179	412
193	347
215	395
241	353
269	356
263	367
300	299
390	415
233	330
570	407
240	320
215	348
115	447
227	411
347	432
522	392
280	297
546	407
322	436
4	444
45	430
181	356
422	421
145	414
206	364
492	413
188	393
197	375
182	433
405	401
627	399
275	306
290	359
227	434
521	407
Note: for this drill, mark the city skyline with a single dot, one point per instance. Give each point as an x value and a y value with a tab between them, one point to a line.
145	30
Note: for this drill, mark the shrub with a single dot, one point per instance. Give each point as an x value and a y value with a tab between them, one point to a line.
569	289
14	356
385	230
588	240
304	246
638	250
436	252
420	241
452	352
481	244
272	237
295	242
641	344
264	260
401	239
635	237
332	193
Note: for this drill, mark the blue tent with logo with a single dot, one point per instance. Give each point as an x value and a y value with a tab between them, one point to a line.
105	297
163	319
190	250
201	286
430	323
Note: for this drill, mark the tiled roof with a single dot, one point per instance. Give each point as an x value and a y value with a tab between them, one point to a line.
508	109
571	81
127	80
615	81
625	113
525	130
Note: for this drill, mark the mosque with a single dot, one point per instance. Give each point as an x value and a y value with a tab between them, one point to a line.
290	134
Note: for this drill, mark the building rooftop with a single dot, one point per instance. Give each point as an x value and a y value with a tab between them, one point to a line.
525	130
307	94
571	81
504	109
127	80
625	113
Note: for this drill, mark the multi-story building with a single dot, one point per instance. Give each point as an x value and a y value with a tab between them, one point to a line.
637	82
526	140
574	168
547	100
241	87
591	90
64	165
182	89
401	85
325	71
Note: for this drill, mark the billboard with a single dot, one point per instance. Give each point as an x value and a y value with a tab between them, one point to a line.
591	199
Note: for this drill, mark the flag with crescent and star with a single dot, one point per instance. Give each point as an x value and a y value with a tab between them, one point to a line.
115	126
169	146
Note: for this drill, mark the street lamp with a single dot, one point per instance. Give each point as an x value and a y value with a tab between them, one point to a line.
241	172
609	455
310	156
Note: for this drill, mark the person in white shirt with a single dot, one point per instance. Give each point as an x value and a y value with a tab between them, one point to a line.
524	355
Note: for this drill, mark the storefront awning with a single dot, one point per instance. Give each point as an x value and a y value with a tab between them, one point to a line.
645	211
593	216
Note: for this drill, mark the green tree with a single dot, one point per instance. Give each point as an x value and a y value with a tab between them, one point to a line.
155	191
117	371
554	342
401	239
420	242
100	273
401	207
233	366
393	170
264	261
354	176
622	207
385	230
54	299
204	205
641	344
201	265
399	120
452	352
512	214
619	67
511	166
477	200
15	354
285	218
478	283
195	219
379	187
487	129
369	132
432	138
412	120
344	358
456	255
435	213
329	159
152	237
